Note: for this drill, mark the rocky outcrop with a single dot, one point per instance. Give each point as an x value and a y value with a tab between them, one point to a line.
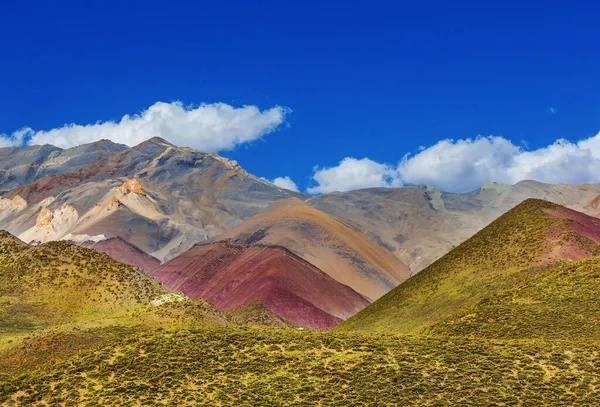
132	185
51	224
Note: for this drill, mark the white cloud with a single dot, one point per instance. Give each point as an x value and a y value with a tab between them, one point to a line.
353	174
285	182
464	165
208	127
460	165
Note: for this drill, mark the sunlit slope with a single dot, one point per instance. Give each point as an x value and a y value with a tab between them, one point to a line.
556	302
275	367
339	250
534	233
420	224
58	298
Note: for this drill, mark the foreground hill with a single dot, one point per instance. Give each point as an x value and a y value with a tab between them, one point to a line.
232	276
58	298
159	197
226	367
534	233
339	250
420	224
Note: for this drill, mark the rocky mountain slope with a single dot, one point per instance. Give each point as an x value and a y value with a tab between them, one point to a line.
535	233
341	251
23	165
232	276
156	196
420	224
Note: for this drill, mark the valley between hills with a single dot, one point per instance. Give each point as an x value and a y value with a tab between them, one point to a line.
159	275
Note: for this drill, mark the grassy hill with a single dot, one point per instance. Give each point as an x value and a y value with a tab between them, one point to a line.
280	367
533	234
256	313
58	298
560	302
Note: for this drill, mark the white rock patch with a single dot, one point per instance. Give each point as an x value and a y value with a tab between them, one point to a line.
166	298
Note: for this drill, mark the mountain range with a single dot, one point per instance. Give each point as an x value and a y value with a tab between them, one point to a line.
156	203
161	275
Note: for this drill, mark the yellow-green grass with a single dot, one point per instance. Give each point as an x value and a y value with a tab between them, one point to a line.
55	297
284	367
256	313
561	302
485	264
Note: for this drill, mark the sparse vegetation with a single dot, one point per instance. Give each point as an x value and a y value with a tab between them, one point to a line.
283	367
552	303
58	299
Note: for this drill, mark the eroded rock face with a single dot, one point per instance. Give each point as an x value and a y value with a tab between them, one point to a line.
15	204
132	185
10	208
44	218
51	224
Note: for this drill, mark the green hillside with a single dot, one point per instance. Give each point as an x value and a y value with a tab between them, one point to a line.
256	313
527	236
552	303
58	298
282	367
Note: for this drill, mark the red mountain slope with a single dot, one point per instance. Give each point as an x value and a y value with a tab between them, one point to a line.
341	251
229	275
124	252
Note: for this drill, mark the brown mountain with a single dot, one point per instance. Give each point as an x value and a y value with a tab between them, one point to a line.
232	276
420	224
339	250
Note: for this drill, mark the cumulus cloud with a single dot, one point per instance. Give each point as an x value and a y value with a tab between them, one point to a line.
285	182
353	174
207	127
464	165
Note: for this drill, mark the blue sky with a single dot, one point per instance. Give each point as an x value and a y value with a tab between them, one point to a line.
362	80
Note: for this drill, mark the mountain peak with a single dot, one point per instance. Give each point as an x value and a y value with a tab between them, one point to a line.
156	141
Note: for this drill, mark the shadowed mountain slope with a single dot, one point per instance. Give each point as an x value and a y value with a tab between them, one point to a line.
258	314
232	276
342	252
420	224
124	252
535	233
